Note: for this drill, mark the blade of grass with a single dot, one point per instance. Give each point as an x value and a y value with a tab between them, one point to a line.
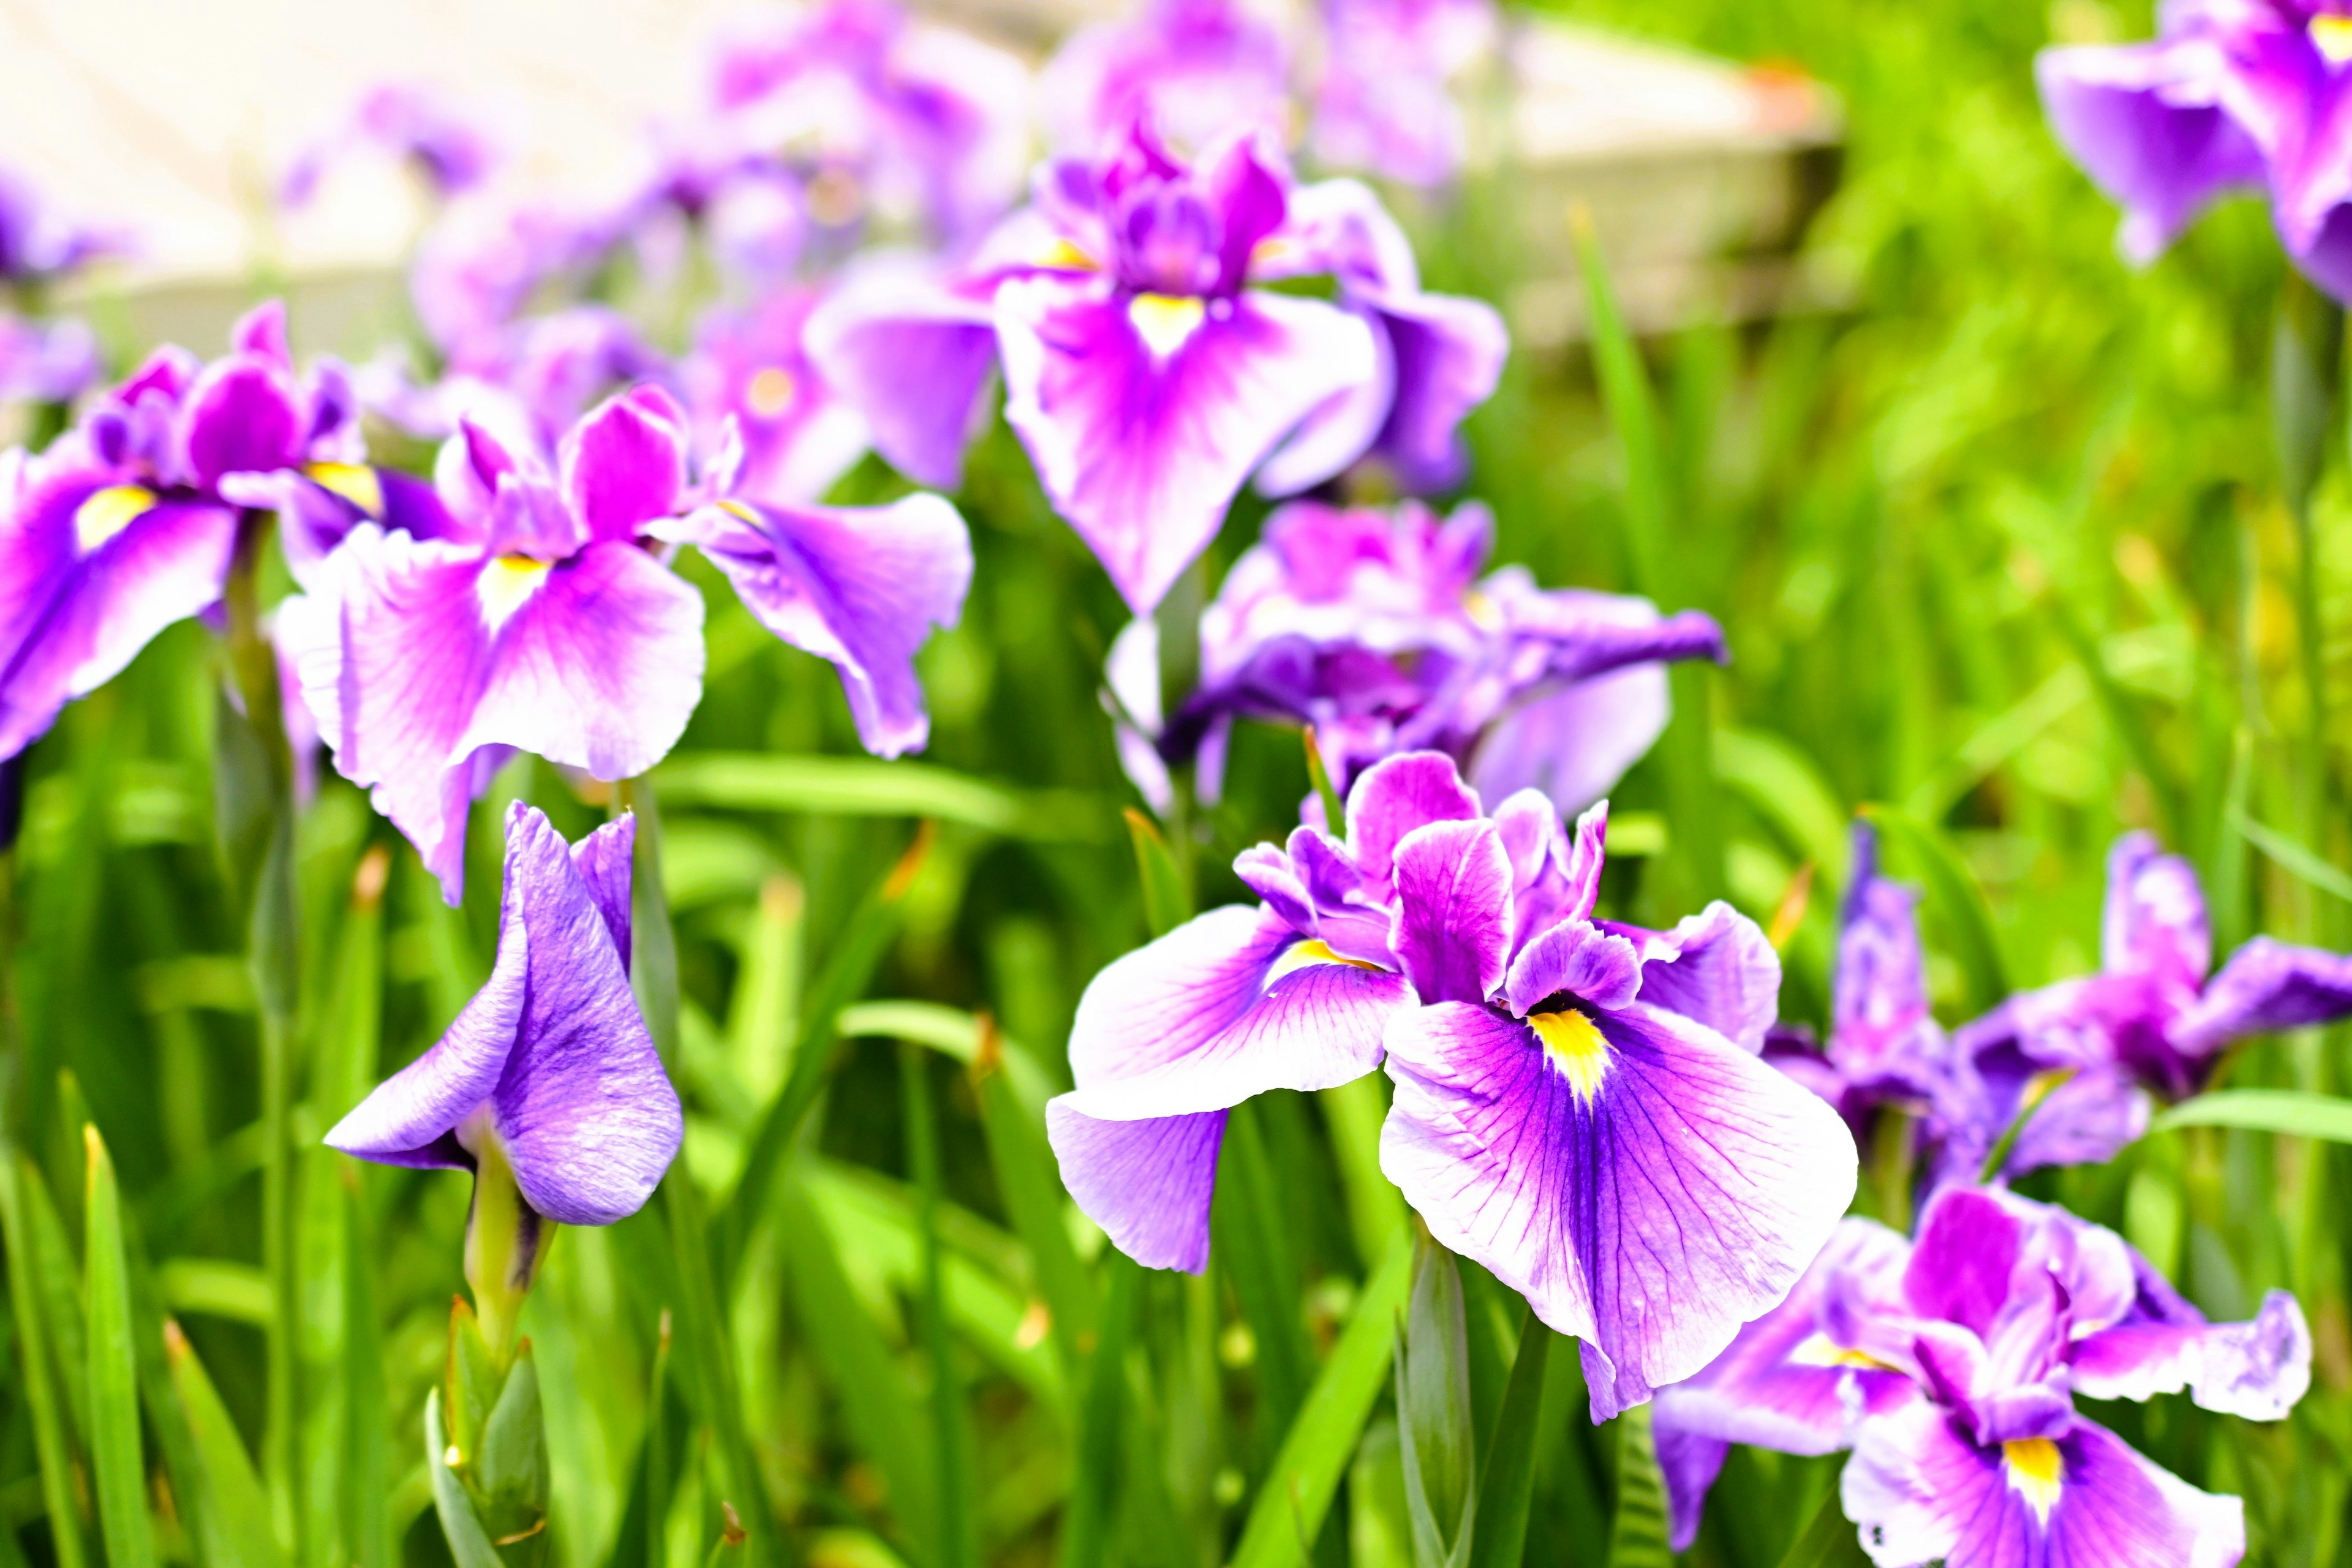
2293	857
1637	1536
116	1463
958	1543
367	1456
34	1350
1830	1541
2287	1110
1246	1230
1034	1197
1507	1487
459	1527
237	1505
1353	1113
1166	904
1087	1519
866	786
1305	1477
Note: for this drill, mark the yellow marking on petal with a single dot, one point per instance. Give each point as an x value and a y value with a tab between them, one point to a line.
1165	321
1064	256
737	509
1820	1349
355	482
108	512
1482	611
1576	1048
1299	955
506	584
2332	36
770	391
2033	1464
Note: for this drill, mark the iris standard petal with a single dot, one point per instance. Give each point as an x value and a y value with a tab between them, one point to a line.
2265	985
1394	796
1646	1184
587	1115
1148	1183
243	415
1723	972
1227	1005
860	587
2257	1370
1921	1489
604	862
1144	414
624	464
2155	920
1688	1463
1453	927
1574	958
914	359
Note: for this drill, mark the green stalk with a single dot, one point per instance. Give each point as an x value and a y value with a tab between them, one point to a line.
34	1353
2307	350
255	801
959	1538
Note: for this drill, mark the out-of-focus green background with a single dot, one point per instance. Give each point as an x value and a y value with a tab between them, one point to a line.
2001	540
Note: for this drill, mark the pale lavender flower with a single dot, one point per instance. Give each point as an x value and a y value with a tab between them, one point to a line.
751	366
1384	102
45	362
551	1063
1193	71
1951	1368
452	145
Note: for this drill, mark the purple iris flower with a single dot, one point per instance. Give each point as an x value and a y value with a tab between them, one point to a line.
1950	1368
536	614
1579	1107
1145	375
752	366
1884	1045
45	362
551	1060
1375	627
1383	102
530	379
2232	94
2151	1019
491	249
129	522
38	242
871	112
1192	70
452	147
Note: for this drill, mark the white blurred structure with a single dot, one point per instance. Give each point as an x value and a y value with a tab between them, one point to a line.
176	121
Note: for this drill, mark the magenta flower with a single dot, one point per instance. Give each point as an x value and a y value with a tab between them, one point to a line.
1383	103
2150	1020
452	146
1193	71
550	1062
129	522
1375	627
1950	1368
1579	1107
1145	376
752	366
537	615
2231	95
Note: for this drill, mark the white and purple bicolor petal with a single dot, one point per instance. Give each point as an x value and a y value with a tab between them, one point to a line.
2266	986
1922	1490
914	357
1168	1039
1144	412
551	1057
1647	1183
91	568
860	587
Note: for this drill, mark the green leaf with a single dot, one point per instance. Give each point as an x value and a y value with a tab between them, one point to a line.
236	1292
1166	904
2292	1112
1830	1541
367	1457
1253	1246
867	786
1637	1536
1781	784
1437	1442
1353	1112
120	1467
956	1544
239	1532
1298	1488
2293	856
1953	893
467	1542
653	942
35	1351
1509	1485
1031	1185
1335	814
1102	1402
968	1038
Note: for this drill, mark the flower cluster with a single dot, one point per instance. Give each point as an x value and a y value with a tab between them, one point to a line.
1375	628
1951	1366
1578	1104
43	360
2231	95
